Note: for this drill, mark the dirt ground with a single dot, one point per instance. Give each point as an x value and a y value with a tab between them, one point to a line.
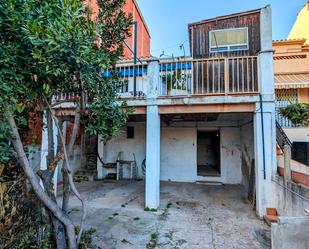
191	216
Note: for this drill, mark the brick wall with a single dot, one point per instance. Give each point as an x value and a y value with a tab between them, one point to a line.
143	41
143	44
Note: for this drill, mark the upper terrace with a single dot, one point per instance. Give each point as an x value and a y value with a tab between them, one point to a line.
226	63
192	77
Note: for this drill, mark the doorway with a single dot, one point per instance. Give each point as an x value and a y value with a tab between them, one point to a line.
208	153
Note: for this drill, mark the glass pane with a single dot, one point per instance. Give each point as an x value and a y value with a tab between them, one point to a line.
238	36
228	37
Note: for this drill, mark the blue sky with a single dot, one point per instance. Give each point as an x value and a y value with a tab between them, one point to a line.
168	19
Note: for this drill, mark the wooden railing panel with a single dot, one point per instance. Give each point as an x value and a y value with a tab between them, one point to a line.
210	76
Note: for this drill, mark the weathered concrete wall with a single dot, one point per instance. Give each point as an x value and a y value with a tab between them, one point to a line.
290	233
297	134
178	154
288	203
230	155
128	147
247	153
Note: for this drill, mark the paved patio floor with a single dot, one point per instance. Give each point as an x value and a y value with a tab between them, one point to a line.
191	216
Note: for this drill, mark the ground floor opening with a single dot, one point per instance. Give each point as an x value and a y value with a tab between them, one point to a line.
208	153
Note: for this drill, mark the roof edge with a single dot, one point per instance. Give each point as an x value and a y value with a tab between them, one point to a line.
142	17
289	42
244	13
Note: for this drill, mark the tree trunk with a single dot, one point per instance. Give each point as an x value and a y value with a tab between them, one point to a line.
66	165
47	177
40	193
66	182
58	228
50	132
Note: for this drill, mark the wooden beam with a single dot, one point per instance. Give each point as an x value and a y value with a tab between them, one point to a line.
209	108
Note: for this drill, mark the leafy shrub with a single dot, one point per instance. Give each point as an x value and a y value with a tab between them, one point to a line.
298	113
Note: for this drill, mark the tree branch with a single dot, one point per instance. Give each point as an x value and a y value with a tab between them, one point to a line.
39	191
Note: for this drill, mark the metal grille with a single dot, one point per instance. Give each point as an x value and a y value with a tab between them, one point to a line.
282	138
284	97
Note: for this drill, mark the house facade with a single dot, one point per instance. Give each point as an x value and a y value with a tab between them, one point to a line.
207	118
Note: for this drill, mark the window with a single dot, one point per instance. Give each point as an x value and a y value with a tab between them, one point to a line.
130	132
228	40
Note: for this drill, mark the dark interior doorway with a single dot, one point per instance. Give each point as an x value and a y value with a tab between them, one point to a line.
208	153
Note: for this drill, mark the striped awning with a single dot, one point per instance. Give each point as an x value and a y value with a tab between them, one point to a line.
292	81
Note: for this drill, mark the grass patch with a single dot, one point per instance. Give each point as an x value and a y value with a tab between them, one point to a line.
153	241
73	210
124	241
147	209
164	215
124	205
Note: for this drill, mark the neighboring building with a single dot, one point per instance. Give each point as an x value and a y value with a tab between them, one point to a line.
143	34
291	66
300	28
206	118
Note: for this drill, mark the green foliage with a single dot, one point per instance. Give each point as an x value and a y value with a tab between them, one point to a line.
298	113
147	209
176	79
53	46
86	238
47	47
20	216
153	241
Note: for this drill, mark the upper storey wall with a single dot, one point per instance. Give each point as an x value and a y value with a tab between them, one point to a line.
143	34
200	34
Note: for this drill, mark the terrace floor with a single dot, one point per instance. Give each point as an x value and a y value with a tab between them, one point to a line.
192	216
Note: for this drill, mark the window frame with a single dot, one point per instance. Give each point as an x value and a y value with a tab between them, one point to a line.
228	47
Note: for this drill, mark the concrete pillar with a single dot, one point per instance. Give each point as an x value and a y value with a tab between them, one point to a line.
287	162
265	137
100	154
55	135
266	66
265	156
152	158
152	198
44	144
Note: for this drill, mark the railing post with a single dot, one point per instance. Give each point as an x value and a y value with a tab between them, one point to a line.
192	82
226	76
287	162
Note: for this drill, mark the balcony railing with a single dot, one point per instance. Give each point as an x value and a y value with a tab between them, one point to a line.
237	75
125	88
219	76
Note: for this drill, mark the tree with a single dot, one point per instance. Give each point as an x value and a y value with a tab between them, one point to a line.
298	113
56	46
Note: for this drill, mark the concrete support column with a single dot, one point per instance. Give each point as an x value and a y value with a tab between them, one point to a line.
152	198
265	156
287	162
100	154
264	119
153	158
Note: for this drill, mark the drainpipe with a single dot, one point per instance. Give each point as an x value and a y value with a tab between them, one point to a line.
135	57
263	138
